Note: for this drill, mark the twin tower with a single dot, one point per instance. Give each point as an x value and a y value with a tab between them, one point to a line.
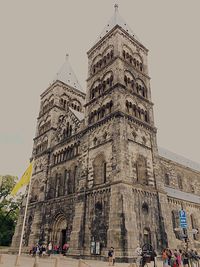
96	181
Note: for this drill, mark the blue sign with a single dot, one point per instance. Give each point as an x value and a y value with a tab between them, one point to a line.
182	219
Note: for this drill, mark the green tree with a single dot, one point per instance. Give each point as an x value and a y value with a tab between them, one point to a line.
9	209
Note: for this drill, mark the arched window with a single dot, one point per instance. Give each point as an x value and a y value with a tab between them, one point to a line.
194	225
180	182
139	112
141	169
98	207
141	88
66	176
95	141
35	191
99	169
45	143
52	187
167	179
70	130
125	79
146	117
134	110
75	104
111	54
70	183
64	103
192	189
127	105
175	217
132	84
145	208
56	158
105	136
60	183
192	221
175	223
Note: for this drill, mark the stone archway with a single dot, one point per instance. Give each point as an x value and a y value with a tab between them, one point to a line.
60	231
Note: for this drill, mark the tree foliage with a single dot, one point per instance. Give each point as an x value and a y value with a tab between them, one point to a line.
9	209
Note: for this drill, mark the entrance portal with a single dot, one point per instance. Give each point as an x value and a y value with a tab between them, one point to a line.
64	237
59	231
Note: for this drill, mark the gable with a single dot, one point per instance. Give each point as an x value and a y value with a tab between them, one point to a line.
67	126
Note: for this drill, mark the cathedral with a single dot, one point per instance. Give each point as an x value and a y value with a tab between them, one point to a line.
99	178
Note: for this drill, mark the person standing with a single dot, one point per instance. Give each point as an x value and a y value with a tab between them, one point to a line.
37	249
110	253
65	248
175	258
138	253
179	258
154	257
169	255
56	249
31	250
34	250
50	248
197	257
185	259
113	257
194	258
165	258
43	249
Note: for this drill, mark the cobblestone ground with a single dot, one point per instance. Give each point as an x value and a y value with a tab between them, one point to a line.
28	261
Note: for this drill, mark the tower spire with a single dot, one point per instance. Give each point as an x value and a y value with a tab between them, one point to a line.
116	7
67	75
116	19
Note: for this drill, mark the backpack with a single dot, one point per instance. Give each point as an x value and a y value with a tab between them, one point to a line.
109	253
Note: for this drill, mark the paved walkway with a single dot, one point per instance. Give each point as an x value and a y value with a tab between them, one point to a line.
28	261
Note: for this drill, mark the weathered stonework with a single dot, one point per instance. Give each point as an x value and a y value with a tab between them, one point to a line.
98	178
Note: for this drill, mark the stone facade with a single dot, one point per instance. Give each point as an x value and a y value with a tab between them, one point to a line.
98	178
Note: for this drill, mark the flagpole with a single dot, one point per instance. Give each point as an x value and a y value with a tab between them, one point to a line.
25	214
24	221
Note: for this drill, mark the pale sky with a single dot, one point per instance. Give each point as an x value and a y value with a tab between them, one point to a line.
36	35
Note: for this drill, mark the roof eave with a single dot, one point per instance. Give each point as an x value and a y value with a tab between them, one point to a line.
112	30
57	82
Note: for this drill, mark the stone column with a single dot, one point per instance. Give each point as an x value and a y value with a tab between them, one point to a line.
77	234
114	230
35	228
129	217
122	221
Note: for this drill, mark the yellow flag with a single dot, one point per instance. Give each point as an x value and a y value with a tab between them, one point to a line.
25	179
